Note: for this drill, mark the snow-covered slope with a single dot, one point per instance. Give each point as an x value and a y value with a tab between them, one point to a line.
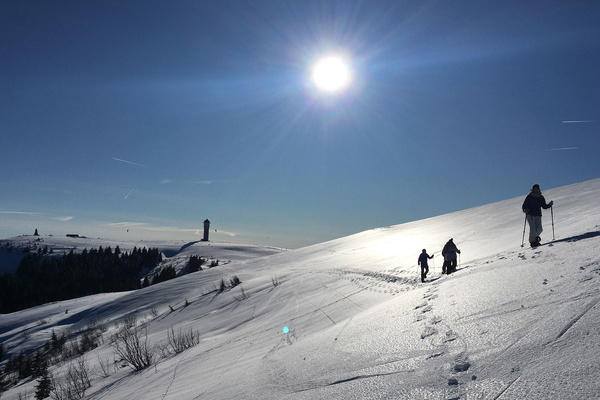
348	319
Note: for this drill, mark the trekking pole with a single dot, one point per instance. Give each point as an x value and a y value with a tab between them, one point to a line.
524	225
552	214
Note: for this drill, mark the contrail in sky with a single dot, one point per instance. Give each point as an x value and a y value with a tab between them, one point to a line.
586	121
39	214
131	191
128	162
32	214
563	148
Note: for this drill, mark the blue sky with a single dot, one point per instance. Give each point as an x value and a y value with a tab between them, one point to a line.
141	119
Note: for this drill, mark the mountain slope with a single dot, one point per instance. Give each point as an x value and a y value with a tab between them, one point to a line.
511	323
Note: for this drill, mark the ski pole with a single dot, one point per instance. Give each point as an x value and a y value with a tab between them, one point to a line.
552	214
524	225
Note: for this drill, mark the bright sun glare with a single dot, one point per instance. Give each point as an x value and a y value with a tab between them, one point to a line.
331	74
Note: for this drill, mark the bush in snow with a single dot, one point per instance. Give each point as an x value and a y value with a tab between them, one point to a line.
235	281
242	296
75	382
182	341
103	370
275	281
131	345
87	341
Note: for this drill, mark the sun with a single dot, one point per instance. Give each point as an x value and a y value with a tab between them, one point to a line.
331	74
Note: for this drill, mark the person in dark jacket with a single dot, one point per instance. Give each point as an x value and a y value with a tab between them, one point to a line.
532	207
449	253
423	263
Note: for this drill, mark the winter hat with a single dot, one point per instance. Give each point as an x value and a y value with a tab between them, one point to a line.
535	186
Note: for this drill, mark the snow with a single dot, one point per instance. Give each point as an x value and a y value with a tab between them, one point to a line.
511	323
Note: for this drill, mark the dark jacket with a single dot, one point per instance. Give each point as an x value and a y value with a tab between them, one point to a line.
423	259
449	251
533	204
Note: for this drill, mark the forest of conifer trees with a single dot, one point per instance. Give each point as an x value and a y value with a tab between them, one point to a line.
43	278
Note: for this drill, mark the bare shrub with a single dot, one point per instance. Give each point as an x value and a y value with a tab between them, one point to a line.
163	349
70	349
90	339
131	345
103	367
75	382
242	296
182	340
129	322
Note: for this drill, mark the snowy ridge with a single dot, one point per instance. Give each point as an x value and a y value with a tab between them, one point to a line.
511	323
175	253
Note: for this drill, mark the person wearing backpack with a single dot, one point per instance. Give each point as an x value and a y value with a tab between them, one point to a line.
532	207
449	253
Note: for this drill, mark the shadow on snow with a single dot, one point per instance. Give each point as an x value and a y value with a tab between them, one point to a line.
577	238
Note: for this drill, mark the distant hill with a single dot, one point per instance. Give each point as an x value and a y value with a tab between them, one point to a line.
12	250
45	269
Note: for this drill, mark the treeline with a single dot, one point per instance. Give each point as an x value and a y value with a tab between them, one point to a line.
39	280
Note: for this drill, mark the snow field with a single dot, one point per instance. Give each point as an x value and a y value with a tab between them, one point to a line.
511	323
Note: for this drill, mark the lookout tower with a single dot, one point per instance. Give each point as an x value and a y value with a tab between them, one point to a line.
206	228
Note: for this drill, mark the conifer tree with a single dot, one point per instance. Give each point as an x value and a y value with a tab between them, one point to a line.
3	384
40	364
44	385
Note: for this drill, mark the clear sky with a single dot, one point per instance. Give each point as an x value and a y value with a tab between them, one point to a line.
141	119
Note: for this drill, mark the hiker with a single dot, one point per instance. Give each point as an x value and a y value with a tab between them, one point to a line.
449	253
532	207
423	263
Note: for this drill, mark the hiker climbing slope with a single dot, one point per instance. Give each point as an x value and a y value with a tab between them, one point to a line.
423	263
532	207
449	253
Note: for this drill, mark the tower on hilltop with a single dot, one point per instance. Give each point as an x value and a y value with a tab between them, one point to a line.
206	228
